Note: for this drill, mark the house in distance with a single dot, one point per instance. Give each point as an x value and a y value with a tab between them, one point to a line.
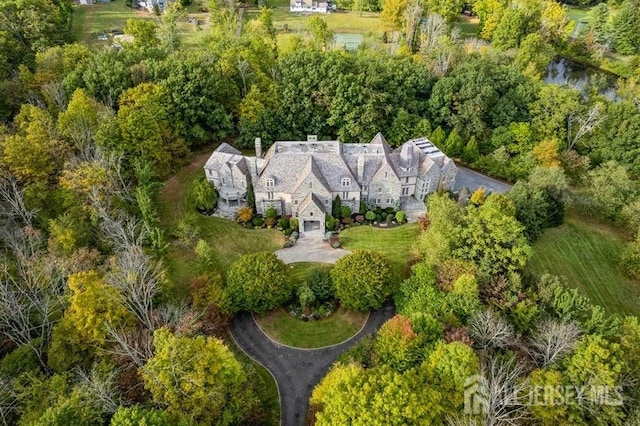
302	178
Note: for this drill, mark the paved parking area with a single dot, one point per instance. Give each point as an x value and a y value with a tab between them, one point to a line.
473	180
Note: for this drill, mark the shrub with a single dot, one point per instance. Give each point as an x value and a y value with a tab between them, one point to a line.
306	297
401	217
271	212
244	214
346	220
270	221
390	217
283	223
370	216
359	218
258	282
330	223
288	232
294	223
378	218
320	282
362	280
258	221
345	212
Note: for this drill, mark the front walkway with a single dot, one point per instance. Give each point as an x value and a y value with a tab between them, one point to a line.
311	248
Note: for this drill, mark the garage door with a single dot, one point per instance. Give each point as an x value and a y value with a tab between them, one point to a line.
311	225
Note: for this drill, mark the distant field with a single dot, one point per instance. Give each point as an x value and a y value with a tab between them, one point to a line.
586	253
89	21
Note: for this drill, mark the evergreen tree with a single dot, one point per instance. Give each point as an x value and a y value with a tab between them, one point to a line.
336	208
471	151
626	28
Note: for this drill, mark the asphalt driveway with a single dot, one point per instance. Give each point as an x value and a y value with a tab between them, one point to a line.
472	180
297	371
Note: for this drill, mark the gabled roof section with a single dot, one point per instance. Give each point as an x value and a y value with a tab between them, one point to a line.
310	200
378	139
225	148
311	168
226	156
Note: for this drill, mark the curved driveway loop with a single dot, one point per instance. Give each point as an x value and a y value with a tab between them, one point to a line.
297	371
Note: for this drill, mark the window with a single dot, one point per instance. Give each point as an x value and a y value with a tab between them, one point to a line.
377	200
406	179
386	174
310	185
295	202
270	195
379	189
405	191
223	181
366	188
389	200
310	213
346	182
270	183
326	202
345	195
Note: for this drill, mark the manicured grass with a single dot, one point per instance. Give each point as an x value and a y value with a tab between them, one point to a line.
586	253
228	239
396	244
300	271
338	327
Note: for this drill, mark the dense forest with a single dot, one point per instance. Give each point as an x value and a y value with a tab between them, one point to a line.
92	329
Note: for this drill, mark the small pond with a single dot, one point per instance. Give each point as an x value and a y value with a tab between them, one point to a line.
566	71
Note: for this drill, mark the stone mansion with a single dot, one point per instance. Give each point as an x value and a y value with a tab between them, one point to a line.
302	178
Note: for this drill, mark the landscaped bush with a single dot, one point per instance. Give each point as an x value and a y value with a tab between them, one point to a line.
390	217
370	216
271	213
401	217
258	221
306	297
321	283
346	220
362	280
283	223
258	282
293	223
244	214
270	221
345	212
378	218
330	223
359	218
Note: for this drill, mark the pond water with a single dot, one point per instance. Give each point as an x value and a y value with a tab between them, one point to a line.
565	71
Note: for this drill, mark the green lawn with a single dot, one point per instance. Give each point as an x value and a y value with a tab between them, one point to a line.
91	20
338	327
300	271
586	253
468	26
228	239
396	244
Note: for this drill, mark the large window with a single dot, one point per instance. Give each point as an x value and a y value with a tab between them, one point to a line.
346	181
270	183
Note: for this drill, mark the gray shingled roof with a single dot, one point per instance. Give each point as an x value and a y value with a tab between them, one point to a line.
308	200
